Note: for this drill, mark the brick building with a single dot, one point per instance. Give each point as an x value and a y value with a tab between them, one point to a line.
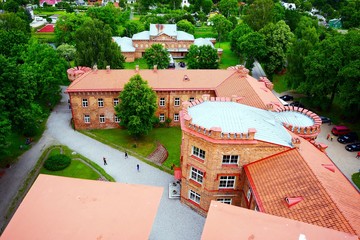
176	42
94	93
259	159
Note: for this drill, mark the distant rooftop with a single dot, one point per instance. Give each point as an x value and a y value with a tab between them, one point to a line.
203	42
168	29
125	44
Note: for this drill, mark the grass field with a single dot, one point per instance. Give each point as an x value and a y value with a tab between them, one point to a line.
41	12
44	37
168	137
356	179
204	32
228	58
279	83
77	168
131	65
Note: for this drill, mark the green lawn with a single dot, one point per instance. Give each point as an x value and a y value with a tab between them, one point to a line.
228	58
169	137
44	37
41	12
204	32
279	83
77	168
356	179
131	65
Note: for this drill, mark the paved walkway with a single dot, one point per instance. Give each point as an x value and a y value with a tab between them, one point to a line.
173	220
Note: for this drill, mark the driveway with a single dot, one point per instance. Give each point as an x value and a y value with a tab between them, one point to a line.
173	220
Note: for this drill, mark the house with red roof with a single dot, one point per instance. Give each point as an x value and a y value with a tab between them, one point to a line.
49	2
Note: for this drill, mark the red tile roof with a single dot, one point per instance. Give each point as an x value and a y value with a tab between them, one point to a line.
70	208
241	223
47	28
329	200
224	82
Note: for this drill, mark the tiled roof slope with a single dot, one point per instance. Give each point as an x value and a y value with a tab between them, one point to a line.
289	175
224	82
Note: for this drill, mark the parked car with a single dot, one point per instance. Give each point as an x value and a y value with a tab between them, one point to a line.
325	119
353	147
297	104
287	98
348	138
171	65
340	130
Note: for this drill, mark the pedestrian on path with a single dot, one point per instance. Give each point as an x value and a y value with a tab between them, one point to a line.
331	138
328	136
138	167
126	155
358	155
104	159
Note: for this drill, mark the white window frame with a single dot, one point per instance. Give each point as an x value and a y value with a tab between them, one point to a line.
162	117
194	196
196	175
116	119
225	200
227	182
102	118
116	101
230	159
177	101
85	102
257	209
86	118
191	99
162	102
248	194
100	102
198	152
176	117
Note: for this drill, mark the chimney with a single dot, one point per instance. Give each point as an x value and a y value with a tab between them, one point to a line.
291	201
295	142
155	68
108	68
95	68
137	68
251	133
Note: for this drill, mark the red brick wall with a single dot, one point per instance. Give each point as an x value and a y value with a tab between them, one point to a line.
94	111
213	168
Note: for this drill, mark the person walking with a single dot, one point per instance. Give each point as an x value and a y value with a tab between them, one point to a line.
331	138
126	155
328	136
358	155
104	159
138	167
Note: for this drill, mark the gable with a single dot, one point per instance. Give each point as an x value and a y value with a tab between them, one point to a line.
162	37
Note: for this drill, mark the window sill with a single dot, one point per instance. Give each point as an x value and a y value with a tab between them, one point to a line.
198	159
229	165
195	182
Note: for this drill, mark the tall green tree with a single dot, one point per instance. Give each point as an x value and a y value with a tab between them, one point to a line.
137	106
252	46
228	7
132	27
94	45
221	26
203	57
157	55
240	30
66	27
186	26
259	14
278	39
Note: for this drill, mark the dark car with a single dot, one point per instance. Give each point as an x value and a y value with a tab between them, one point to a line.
171	65
348	138
182	64
287	98
325	119
353	147
297	104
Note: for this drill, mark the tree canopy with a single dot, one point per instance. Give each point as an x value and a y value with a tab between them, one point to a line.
203	57
157	55
221	26
259	14
137	106
94	45
186	26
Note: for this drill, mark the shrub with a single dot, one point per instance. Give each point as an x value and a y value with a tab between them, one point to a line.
57	162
